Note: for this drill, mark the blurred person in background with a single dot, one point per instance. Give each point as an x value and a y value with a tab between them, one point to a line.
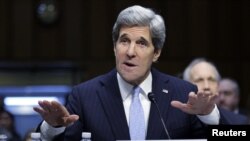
229	96
7	125
205	75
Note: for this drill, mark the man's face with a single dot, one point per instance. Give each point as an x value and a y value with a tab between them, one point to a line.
204	76
228	98
135	53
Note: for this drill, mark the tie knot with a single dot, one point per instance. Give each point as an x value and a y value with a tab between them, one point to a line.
136	91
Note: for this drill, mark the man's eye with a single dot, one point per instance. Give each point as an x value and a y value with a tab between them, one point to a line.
212	79
124	40
198	80
142	43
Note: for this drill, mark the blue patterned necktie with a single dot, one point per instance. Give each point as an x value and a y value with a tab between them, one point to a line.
136	117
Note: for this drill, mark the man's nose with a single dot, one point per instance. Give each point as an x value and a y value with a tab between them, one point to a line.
131	50
206	87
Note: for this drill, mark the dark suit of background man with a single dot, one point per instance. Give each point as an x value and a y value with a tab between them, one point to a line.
102	105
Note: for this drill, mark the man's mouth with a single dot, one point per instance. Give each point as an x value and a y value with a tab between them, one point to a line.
129	64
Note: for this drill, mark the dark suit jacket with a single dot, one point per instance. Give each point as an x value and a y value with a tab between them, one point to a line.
99	104
232	118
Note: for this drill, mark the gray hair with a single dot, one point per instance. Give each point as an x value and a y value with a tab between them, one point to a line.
187	71
140	16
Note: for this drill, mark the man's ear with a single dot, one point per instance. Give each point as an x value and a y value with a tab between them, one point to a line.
157	54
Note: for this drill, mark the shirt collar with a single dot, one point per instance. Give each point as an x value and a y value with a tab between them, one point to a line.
126	88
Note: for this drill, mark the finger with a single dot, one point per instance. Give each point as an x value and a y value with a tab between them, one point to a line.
44	107
47	107
213	98
42	112
182	106
178	105
44	103
39	110
207	92
204	97
71	119
192	97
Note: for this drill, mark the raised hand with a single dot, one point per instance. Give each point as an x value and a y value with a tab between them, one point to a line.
55	114
201	103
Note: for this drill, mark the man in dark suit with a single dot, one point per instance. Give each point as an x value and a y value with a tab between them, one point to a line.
103	105
229	96
206	76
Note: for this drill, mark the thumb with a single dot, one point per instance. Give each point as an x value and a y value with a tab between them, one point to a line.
181	106
177	104
71	119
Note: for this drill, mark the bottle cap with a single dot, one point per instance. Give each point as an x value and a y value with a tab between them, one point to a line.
35	135
86	135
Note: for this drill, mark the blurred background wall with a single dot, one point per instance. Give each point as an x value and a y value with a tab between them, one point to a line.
73	39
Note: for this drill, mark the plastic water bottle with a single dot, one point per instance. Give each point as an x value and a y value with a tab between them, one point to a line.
3	137
86	136
35	136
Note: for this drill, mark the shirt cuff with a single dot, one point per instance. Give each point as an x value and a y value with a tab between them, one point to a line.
211	119
48	132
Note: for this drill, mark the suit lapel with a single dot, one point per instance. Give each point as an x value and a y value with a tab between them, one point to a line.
113	106
163	98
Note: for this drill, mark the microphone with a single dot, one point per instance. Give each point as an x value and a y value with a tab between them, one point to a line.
151	97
